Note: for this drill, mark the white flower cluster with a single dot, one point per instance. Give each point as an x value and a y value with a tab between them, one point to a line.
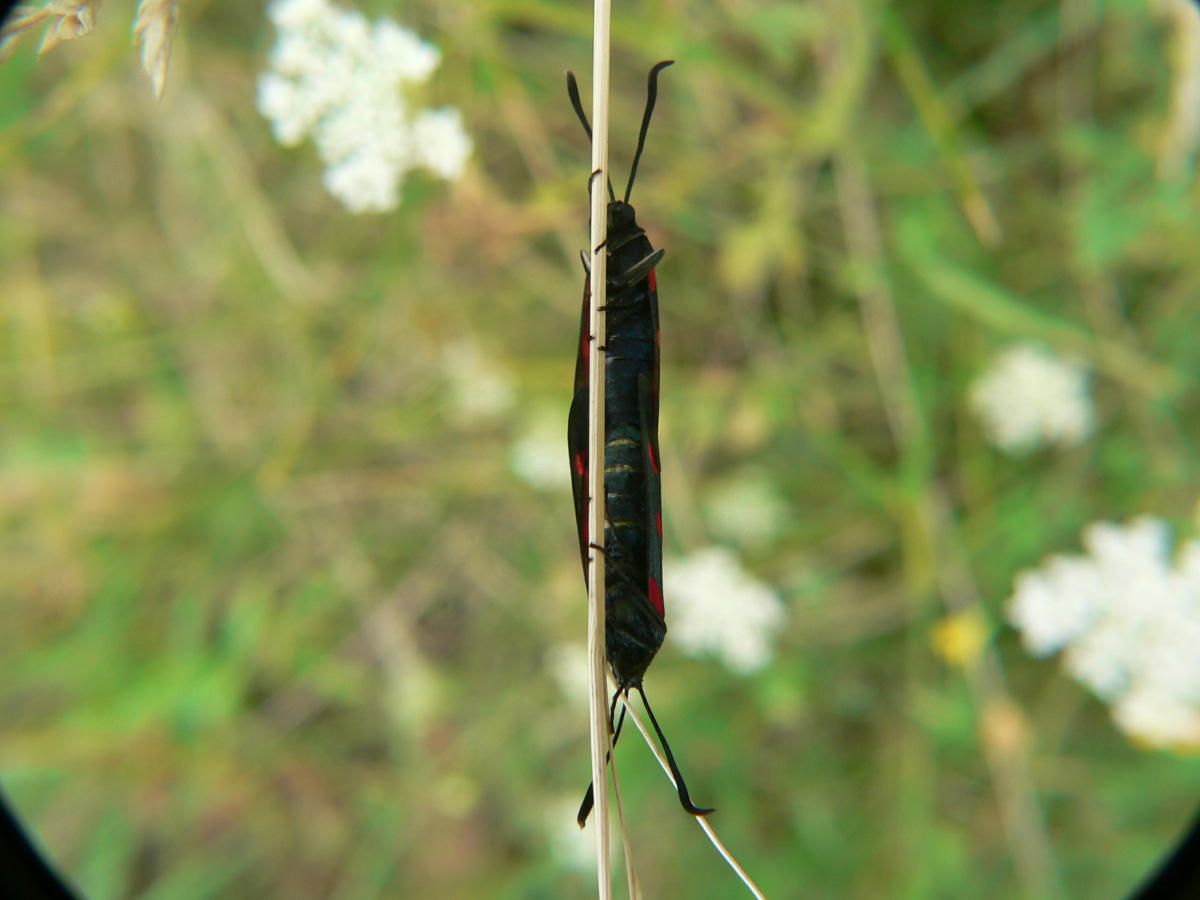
1128	619
480	389
537	457
1030	396
337	78
568	666
746	510
716	607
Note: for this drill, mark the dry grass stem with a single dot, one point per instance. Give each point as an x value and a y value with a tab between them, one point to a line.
631	881
1182	133
597	655
940	125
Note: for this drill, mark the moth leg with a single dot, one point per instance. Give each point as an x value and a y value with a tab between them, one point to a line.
639	270
586	806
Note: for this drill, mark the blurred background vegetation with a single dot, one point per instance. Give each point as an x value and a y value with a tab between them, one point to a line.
281	619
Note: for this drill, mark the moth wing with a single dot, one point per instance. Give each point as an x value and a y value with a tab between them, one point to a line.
648	411
577	445
577	428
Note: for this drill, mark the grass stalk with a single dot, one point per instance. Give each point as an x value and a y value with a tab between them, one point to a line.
631	883
597	707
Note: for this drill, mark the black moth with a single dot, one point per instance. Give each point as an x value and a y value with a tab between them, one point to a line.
634	624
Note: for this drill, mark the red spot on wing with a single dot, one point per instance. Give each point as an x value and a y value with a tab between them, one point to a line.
652	281
658	524
657	338
653	461
656	598
580	465
583	340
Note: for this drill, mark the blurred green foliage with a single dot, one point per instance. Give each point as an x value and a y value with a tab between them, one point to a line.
278	618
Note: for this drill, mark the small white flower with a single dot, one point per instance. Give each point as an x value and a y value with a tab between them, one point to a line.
339	79
1055	605
1158	719
403	55
297	13
746	509
298	54
1128	621
479	389
1030	396
441	142
363	183
349	28
350	130
539	457
1100	658
568	664
714	606
281	101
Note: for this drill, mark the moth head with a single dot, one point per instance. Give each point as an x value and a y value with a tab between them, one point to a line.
621	217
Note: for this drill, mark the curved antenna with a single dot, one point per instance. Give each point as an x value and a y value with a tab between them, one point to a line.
651	97
25	873
684	799
577	105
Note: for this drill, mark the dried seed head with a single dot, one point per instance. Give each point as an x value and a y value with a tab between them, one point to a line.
154	27
70	19
65	20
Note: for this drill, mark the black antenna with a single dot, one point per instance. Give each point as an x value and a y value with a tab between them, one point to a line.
651	97
577	105
586	806
24	874
684	799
